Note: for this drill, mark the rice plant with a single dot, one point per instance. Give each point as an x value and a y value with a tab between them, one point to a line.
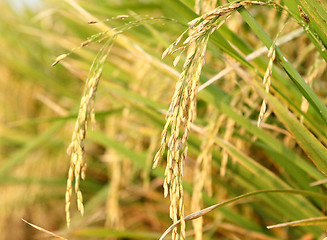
200	119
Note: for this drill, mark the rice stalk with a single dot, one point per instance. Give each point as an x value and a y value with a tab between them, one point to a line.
229	124
113	215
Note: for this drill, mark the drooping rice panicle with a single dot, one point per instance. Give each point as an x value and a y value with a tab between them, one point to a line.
86	110
76	151
182	109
